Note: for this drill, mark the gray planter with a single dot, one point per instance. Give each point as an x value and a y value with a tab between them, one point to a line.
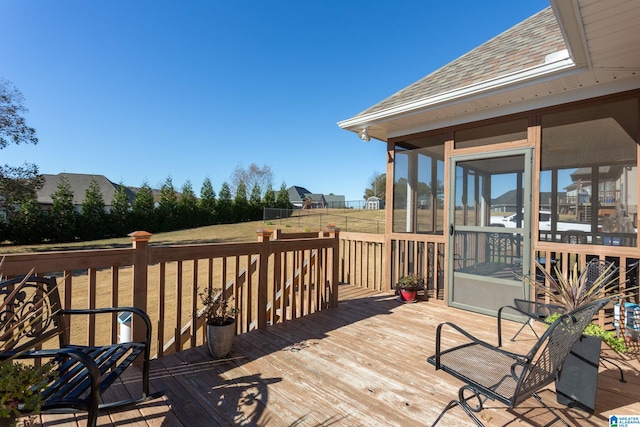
578	381
220	339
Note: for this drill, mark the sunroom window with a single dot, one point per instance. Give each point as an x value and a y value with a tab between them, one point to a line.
589	174
418	190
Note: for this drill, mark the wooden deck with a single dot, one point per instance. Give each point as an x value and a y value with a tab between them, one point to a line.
362	364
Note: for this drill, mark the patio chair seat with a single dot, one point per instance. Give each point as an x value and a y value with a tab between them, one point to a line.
486	366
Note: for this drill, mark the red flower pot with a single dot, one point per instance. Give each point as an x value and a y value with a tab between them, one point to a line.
407	295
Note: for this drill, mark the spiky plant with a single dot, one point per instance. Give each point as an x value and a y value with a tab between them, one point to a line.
576	290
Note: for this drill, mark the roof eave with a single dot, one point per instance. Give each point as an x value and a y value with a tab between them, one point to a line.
482	89
572	28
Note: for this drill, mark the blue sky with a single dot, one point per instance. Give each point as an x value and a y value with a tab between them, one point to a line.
145	90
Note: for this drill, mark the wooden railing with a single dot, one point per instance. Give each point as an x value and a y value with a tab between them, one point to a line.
565	256
272	280
275	279
422	254
362	260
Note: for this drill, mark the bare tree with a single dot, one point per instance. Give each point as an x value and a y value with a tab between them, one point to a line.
378	186
251	176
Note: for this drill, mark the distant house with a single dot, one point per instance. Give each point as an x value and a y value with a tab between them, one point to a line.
334	201
79	183
301	198
508	202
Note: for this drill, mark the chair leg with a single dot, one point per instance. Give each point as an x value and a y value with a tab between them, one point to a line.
92	417
463	402
550	409
604	359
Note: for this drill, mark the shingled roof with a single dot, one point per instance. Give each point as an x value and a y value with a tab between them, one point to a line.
525	45
570	51
79	183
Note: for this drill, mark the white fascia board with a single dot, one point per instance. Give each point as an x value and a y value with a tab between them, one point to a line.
483	88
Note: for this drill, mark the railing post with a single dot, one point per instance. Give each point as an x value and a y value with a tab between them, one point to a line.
140	270
334	233
263	275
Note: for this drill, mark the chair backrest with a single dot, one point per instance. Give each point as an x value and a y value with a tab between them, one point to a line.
596	268
548	354
29	313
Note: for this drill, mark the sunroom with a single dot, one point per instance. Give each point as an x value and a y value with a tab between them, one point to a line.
525	149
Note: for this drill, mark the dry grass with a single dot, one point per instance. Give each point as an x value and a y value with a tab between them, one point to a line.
369	221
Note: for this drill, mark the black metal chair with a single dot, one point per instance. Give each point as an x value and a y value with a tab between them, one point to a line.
489	372
32	314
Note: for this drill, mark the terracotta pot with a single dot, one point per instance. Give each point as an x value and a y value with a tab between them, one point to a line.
220	339
408	295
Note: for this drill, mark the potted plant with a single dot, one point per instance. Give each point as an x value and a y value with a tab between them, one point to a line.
20	387
408	287
577	382
219	314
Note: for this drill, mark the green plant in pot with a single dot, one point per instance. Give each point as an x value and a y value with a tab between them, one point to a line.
577	290
408	286
577	383
220	316
616	343
20	387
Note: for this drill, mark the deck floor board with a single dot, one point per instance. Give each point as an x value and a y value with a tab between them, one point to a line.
362	364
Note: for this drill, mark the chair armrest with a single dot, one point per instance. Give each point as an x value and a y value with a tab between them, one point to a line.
456	328
137	311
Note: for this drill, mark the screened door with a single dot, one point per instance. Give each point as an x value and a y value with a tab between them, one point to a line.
489	229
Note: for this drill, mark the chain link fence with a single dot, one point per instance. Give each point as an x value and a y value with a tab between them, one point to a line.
318	219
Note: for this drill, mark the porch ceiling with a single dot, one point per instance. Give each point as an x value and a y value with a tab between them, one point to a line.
601	58
601	34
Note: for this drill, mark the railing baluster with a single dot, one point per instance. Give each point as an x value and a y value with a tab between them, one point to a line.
115	276
194	303
91	301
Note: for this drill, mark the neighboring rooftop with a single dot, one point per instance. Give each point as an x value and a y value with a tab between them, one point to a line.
298	195
79	183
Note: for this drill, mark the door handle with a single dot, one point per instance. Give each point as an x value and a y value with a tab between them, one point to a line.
450	229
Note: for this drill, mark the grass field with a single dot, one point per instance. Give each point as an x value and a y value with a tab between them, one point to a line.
355	220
